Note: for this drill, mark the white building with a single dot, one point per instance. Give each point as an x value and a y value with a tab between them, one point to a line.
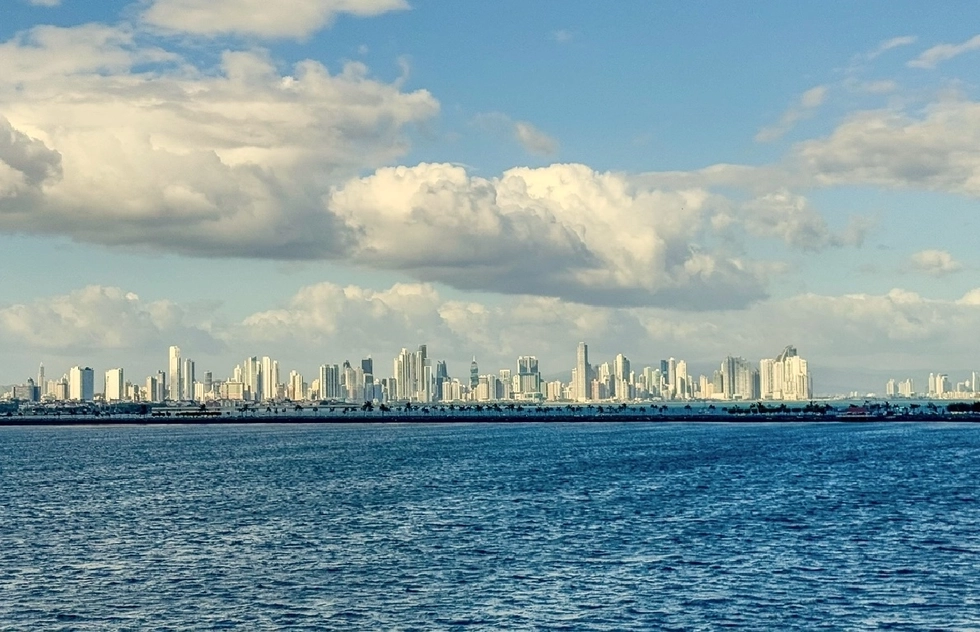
115	386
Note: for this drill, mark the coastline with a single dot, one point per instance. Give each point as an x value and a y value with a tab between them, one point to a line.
359	417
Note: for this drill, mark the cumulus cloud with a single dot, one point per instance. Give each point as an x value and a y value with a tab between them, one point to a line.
98	320
283	18
802	109
227	161
939	151
931	57
934	263
25	164
791	218
563	230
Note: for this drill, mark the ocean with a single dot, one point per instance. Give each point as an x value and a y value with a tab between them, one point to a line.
484	526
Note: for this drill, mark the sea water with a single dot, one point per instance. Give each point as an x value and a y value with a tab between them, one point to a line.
597	526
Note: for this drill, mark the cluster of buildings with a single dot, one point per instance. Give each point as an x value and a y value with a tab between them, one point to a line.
415	377
939	387
785	377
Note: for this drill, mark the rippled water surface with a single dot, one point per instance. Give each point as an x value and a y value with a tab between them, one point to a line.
491	526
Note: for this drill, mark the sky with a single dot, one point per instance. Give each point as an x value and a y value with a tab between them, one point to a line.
320	180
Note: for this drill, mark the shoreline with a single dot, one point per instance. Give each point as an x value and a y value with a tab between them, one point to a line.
440	418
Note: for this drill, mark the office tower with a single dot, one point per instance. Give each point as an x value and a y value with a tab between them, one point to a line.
162	389
208	382
682	381
403	375
442	374
187	381
672	377
329	381
528	380
582	373
505	385
296	391
474	374
367	366
906	388
152	389
251	377
115	386
41	383
269	381
81	384
767	384
942	385
738	379
621	378
174	381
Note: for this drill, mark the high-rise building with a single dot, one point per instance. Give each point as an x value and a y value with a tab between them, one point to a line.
41	383
187	381
252	378
115	386
442	374
174	381
891	388
474	374
269	382
527	382
152	389
583	377
81	384
622	386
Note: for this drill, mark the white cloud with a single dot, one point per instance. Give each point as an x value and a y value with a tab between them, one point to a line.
808	102
938	151
98	319
562	230
889	44
211	161
934	262
790	217
533	140
282	18
944	52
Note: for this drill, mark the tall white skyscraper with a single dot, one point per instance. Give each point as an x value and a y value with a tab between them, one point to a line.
621	378
583	377
115	386
174	382
270	378
81	384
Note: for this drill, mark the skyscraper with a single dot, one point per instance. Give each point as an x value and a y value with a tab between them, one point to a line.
174	381
115	385
474	374
81	384
187	381
269	386
582	373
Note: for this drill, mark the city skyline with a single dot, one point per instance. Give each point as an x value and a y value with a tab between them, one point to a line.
341	179
416	378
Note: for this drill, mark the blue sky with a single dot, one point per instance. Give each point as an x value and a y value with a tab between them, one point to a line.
661	179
